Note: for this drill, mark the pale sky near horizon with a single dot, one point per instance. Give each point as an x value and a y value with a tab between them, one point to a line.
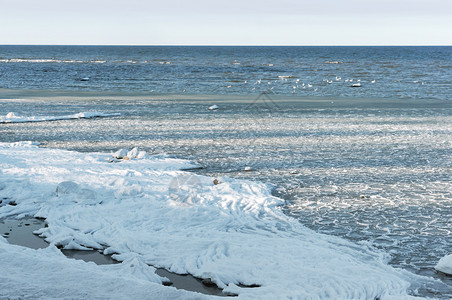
234	22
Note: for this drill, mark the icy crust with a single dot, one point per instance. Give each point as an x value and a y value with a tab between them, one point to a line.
445	265
12	118
47	274
232	233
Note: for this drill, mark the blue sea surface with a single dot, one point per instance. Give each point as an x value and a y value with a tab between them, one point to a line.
393	72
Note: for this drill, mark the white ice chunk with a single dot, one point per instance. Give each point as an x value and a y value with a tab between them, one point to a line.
67	187
129	191
79	194
213	107
121	153
445	264
74	246
135	267
142	155
133	153
87	196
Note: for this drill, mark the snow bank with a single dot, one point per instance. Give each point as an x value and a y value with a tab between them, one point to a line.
12	118
231	233
445	265
47	274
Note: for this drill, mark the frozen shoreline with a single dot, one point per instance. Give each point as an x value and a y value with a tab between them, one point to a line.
231	233
21	232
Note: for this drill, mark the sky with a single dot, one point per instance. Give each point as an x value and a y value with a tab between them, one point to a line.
233	22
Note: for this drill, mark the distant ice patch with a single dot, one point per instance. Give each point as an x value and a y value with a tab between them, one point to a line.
11	117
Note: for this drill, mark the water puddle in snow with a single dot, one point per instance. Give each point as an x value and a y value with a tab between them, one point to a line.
20	232
190	283
90	255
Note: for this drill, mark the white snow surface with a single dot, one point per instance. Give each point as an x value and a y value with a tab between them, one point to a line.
13	118
445	264
47	274
233	233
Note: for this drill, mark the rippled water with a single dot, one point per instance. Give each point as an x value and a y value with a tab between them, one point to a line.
377	172
392	72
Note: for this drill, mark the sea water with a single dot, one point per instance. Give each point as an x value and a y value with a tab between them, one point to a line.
372	164
394	72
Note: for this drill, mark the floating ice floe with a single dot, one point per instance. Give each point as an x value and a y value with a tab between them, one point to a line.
232	234
213	107
13	118
445	265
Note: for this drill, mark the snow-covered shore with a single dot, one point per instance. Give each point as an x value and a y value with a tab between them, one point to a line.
47	274
146	211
